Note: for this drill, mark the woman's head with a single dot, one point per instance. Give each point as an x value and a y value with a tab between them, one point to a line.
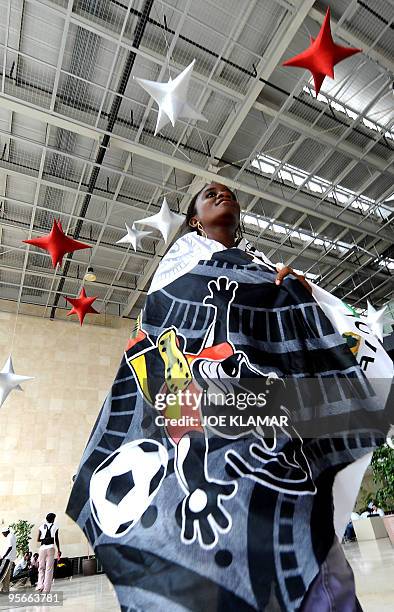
213	208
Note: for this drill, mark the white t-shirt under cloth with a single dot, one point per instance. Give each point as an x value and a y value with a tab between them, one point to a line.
188	250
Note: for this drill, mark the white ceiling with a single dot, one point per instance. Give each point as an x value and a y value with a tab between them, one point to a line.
76	139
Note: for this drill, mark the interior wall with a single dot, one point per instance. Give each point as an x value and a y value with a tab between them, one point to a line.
44	429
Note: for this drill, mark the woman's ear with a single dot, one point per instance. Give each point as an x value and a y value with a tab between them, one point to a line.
193	221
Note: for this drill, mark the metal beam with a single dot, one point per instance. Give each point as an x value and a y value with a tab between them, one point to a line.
54	291
62	49
77	262
285	34
210	176
301	126
48	275
314	13
32	218
284	107
232	94
201	102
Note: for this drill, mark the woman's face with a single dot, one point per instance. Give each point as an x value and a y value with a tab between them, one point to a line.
216	205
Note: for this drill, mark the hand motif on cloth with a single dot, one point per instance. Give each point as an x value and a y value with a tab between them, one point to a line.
203	514
221	290
285	470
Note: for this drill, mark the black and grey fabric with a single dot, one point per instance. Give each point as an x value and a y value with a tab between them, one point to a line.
189	512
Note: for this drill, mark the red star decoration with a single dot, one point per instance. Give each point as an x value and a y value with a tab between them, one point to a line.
323	54
57	243
82	305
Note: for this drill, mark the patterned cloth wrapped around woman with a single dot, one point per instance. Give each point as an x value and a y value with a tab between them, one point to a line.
194	495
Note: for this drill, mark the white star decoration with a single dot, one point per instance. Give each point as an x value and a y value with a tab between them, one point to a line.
9	380
165	221
133	236
376	320
171	98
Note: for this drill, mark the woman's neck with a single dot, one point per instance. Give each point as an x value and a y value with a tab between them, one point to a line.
223	235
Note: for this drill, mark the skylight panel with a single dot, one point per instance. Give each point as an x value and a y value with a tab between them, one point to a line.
361	205
387	263
327	244
279	229
267	168
316	184
286	176
298	180
341	197
254	220
371	125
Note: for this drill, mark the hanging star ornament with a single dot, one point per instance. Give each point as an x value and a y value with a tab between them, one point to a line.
322	55
165	221
57	243
82	305
133	236
10	381
376	320
171	98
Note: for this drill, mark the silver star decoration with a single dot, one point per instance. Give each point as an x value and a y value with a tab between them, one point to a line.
166	221
133	236
171	98
9	380
376	320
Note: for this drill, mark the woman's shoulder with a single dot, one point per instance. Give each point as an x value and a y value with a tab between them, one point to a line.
189	243
181	257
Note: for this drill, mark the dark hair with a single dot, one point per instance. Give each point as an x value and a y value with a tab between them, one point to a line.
50	517
191	212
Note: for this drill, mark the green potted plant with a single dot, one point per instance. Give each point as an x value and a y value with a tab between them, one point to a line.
22	530
383	474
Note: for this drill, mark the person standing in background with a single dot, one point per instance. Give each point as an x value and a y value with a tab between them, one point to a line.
48	536
7	560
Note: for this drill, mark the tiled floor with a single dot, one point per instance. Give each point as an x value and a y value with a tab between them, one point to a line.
89	594
372	562
373	566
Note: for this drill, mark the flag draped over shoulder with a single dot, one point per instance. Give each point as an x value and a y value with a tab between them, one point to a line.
193	500
377	367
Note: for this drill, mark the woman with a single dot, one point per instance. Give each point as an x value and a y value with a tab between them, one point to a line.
207	481
48	536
